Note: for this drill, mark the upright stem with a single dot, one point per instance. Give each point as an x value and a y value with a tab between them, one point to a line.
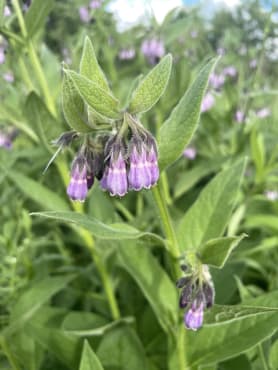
262	357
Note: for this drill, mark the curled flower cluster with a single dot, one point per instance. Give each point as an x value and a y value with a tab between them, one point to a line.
134	169
197	294
153	50
126	160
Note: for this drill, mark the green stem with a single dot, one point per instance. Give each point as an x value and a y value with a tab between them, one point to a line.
8	354
262	357
34	59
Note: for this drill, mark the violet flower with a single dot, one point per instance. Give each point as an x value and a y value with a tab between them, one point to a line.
216	81
230	71
9	77
127	54
190	153
5	140
194	317
239	116
84	14
2	55
153	50
263	113
95	4
207	102
7	11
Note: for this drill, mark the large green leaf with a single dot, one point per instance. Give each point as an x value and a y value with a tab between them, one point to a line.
216	251
97	98
99	229
37	192
179	128
32	299
152	87
214	343
36	16
209	215
121	349
73	106
273	355
90	68
153	281
89	360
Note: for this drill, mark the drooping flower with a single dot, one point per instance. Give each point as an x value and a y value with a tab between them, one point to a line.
2	55
95	4
197	294
84	14
126	54
82	176
153	50
139	175
190	153
5	140
271	195
217	80
9	77
7	11
114	178
239	116
230	71
263	113
207	102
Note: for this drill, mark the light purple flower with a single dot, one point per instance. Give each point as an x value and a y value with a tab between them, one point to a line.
271	195
139	175
216	80
207	102
230	71
194	317
194	34
239	116
153	50
82	178
84	14
9	77
7	11
2	55
5	140
190	153
263	113
95	4
253	63
127	54
152	161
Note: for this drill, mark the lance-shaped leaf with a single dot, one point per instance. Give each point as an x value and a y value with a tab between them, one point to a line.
152	87
73	106
99	229
178	129
89	359
90	68
216	251
153	281
36	16
97	98
209	215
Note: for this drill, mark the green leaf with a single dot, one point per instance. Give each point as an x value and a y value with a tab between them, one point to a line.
217	342
99	229
122	349
63	346
215	252
36	16
2	4
31	300
38	193
273	356
89	360
153	281
179	128
152	87
97	98
90	68
208	216
73	106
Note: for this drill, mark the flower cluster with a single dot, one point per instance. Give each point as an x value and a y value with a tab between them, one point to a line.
126	54
153	50
126	160
197	294
132	169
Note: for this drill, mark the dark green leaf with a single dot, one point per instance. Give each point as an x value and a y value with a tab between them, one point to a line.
89	360
153	281
179	128
215	252
209	215
152	87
